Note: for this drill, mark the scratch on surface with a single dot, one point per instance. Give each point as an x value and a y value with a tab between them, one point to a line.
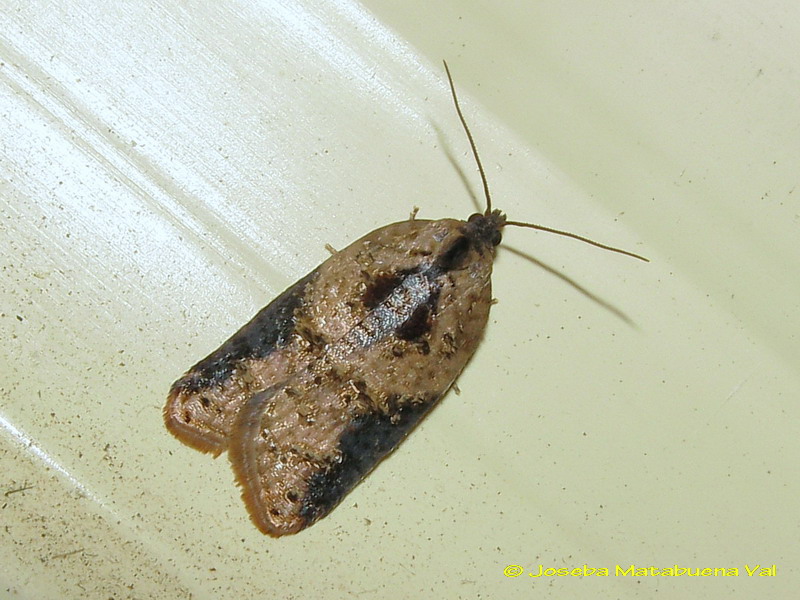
734	391
26	442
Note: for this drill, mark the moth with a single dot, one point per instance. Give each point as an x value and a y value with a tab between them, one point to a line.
326	380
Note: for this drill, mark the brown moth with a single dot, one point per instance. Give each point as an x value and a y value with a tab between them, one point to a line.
323	383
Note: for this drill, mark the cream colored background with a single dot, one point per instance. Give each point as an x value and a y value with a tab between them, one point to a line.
167	168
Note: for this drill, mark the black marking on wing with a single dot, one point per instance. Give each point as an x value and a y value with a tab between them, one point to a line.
381	287
420	322
365	442
266	332
451	259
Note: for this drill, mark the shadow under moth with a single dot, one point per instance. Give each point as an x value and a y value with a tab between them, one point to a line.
325	381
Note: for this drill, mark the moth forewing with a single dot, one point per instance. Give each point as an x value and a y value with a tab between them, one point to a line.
414	297
324	382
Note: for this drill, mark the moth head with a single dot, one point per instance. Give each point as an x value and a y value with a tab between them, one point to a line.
486	228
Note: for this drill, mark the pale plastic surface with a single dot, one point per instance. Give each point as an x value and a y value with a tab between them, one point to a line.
165	170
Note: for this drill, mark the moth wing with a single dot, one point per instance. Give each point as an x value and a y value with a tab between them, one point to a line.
396	341
299	448
202	405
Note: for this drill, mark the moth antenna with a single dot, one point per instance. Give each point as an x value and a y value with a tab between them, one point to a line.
486	193
471	141
575	236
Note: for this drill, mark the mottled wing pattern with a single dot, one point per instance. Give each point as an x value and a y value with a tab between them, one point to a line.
297	449
328	379
203	404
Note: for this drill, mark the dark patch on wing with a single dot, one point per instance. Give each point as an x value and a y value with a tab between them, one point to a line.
314	338
420	322
452	258
367	440
381	286
265	333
